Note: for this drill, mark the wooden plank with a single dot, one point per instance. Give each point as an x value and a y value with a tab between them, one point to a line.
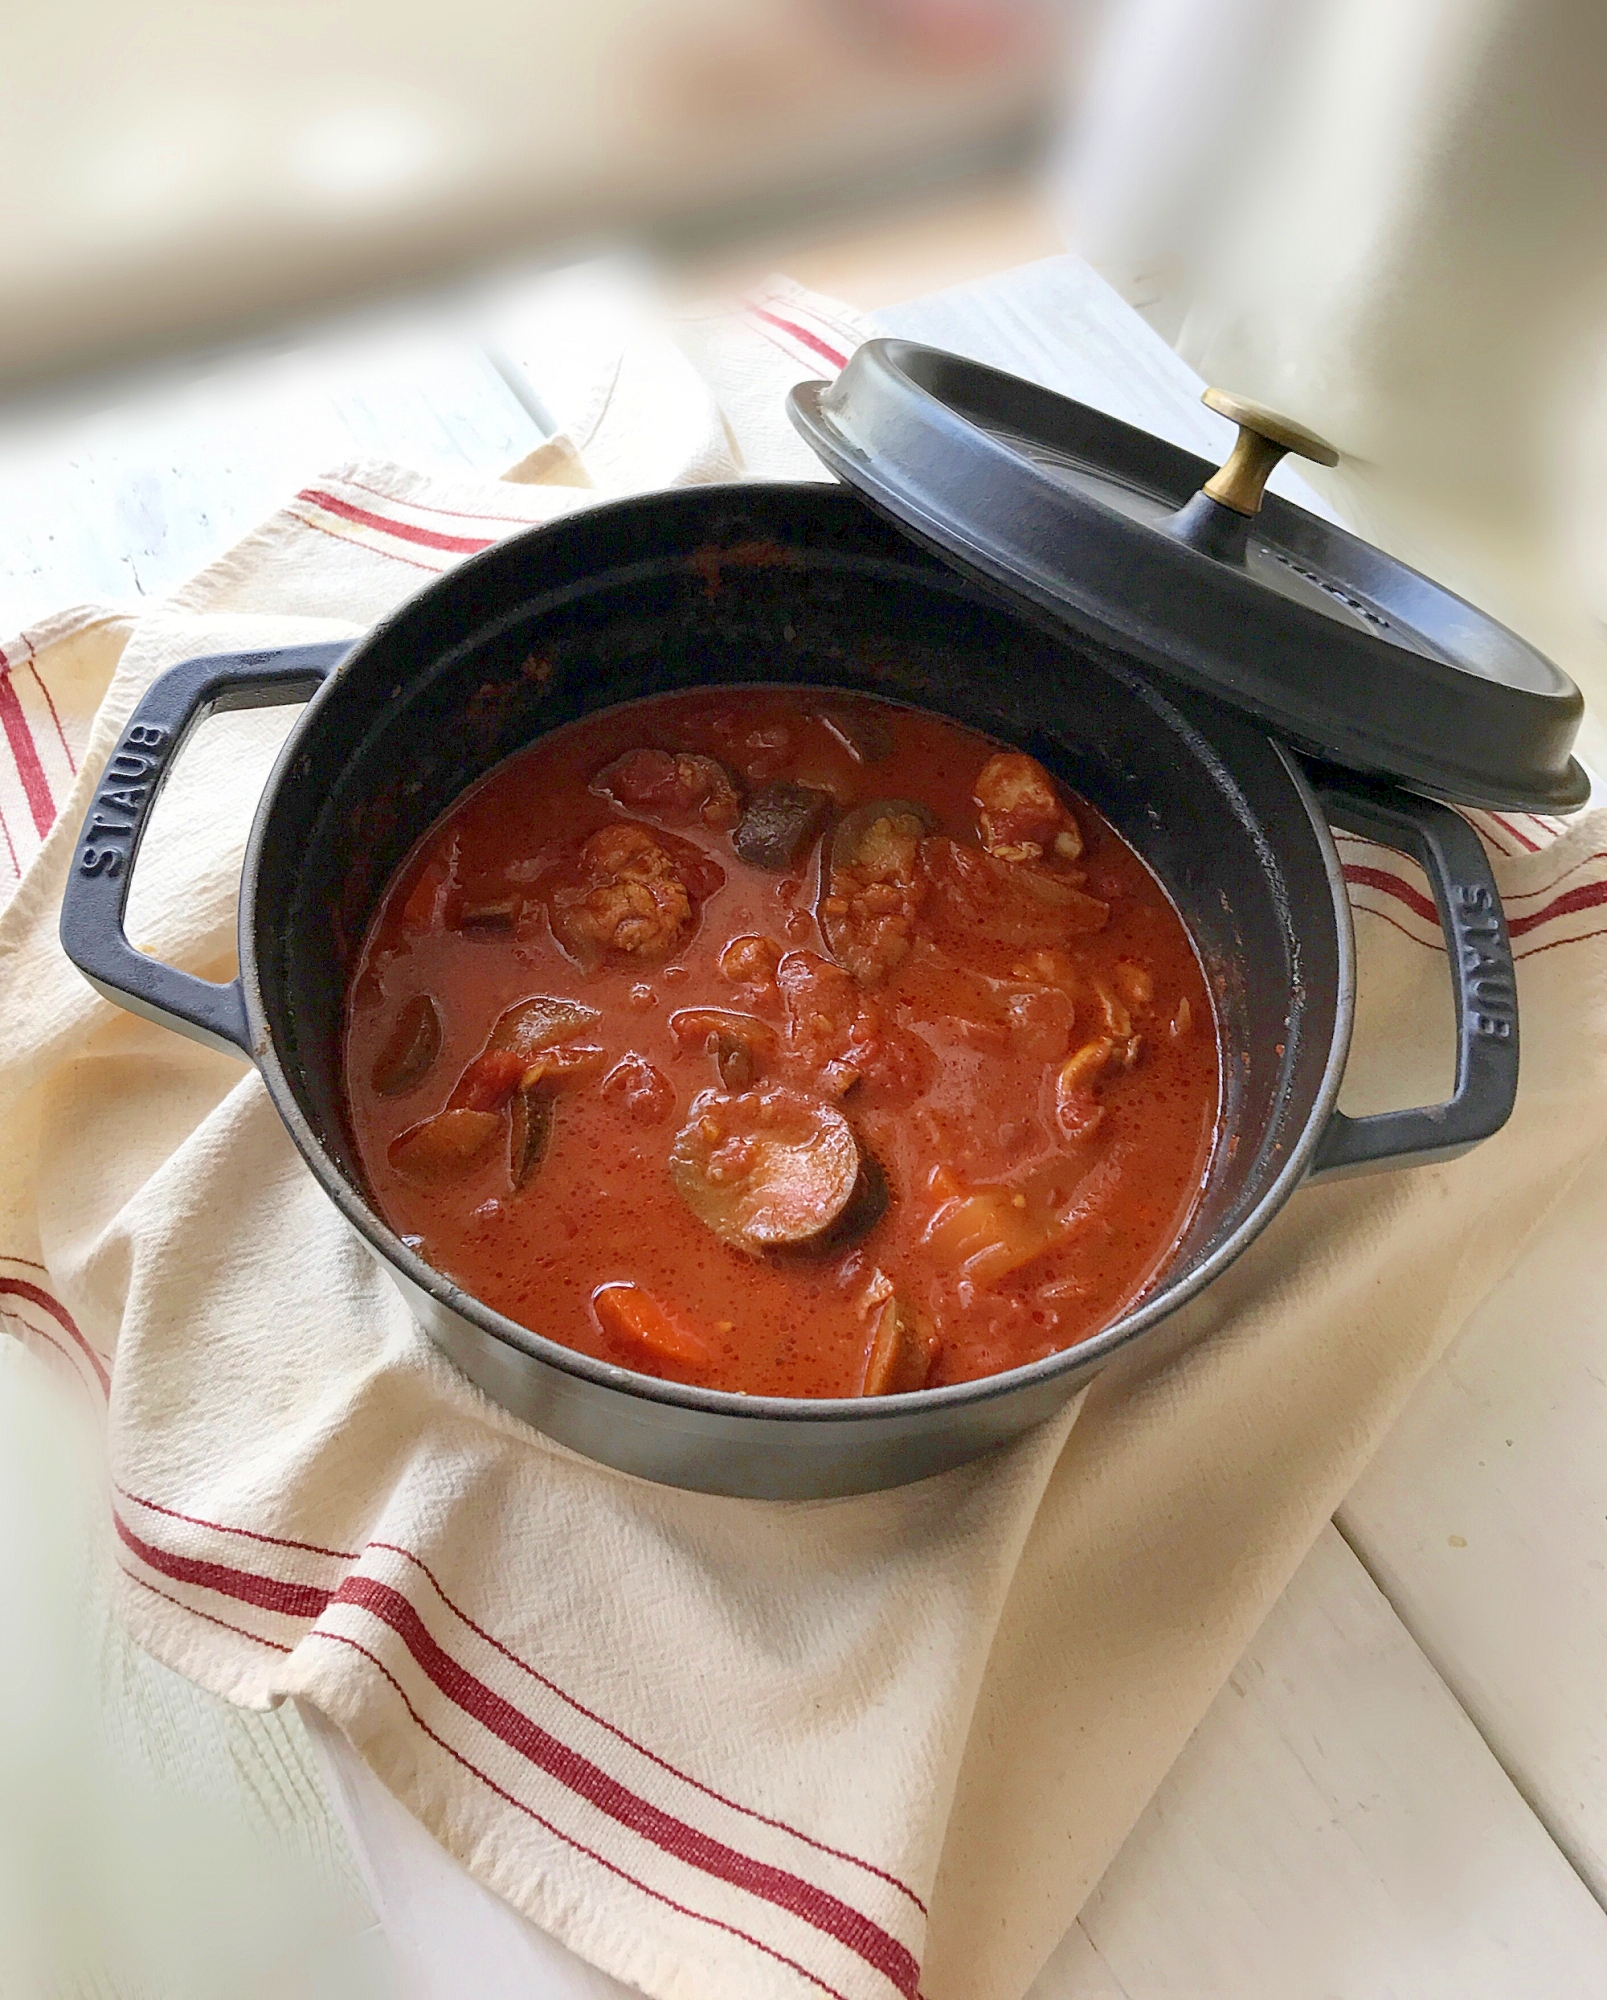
1484	1519
1335	1830
124	497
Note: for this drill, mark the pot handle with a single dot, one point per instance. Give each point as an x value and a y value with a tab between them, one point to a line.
1482	981
96	896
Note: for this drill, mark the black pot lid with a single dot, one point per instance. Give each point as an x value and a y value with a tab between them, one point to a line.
1335	646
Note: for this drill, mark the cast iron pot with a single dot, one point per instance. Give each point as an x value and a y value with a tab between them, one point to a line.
714	586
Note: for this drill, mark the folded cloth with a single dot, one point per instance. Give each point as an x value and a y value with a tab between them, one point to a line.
719	1748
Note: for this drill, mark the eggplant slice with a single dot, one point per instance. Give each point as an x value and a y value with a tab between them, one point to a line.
779	825
410	1047
530	1114
767	1169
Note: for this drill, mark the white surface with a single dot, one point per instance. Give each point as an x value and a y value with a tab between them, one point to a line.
1337	1828
1484	1519
447	1934
122	496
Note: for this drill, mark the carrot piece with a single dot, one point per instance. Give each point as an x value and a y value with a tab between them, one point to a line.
641	1322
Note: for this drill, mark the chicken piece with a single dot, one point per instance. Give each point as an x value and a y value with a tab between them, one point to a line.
752	961
902	1351
761	751
1078	1111
673	790
632	894
767	1170
1020	814
838	1035
979	901
643	1089
875	887
410	1048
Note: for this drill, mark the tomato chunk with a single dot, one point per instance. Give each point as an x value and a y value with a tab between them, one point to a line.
643	1090
488	1082
675	790
1020	814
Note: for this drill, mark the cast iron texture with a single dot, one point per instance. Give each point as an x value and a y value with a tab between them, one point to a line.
726	586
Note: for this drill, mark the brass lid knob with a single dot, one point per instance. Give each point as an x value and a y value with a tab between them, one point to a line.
1263	439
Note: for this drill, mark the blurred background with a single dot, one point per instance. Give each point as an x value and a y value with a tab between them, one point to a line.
176	170
1382	216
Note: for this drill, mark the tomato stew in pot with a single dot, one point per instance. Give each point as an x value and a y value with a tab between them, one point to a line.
783	1042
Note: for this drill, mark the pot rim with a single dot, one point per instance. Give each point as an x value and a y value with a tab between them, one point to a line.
726	1403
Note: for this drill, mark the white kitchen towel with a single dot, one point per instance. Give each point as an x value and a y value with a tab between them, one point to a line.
722	1749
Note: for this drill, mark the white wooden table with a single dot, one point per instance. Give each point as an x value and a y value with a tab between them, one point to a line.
1402	1790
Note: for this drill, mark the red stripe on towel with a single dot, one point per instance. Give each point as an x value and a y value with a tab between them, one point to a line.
591	1715
1392	885
778	1886
25	754
271	1593
1587	896
19	1288
803	336
407	531
457	1756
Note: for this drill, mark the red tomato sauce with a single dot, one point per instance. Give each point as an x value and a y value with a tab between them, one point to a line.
902	1098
